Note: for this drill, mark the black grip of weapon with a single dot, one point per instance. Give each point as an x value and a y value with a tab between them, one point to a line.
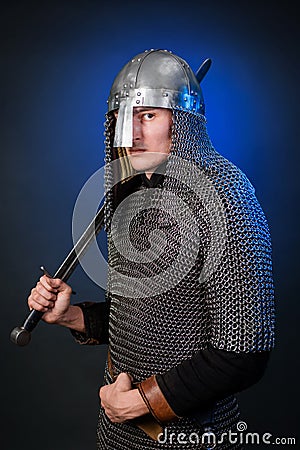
32	320
22	335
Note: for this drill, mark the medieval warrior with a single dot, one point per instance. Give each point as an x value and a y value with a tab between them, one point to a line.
188	315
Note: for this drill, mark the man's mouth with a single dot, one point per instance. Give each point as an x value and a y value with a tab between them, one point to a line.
136	150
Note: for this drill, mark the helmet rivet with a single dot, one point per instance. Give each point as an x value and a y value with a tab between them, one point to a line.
137	101
131	85
139	59
117	95
185	99
138	94
127	94
125	85
132	60
165	94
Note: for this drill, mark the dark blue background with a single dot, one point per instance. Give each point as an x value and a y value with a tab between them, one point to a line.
58	61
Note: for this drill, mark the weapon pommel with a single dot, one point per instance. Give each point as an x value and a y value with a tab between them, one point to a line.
20	336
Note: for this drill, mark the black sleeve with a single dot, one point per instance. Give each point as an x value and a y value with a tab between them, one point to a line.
208	376
96	316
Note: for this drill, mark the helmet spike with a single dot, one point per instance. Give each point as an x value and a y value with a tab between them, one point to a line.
203	69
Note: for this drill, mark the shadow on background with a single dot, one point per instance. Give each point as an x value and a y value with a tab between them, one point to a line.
58	62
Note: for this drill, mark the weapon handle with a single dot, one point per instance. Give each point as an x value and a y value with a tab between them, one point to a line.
21	335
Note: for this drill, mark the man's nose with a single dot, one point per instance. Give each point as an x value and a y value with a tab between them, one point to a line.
136	129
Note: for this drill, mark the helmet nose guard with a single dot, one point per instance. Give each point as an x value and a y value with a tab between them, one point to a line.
157	79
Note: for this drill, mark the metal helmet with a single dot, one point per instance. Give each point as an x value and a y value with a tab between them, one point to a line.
158	79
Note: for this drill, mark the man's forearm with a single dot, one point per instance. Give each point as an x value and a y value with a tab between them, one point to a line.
90	324
209	375
73	318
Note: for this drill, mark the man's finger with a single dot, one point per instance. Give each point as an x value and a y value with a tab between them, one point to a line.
44	280
44	292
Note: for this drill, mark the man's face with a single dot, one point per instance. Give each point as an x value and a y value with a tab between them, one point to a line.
151	138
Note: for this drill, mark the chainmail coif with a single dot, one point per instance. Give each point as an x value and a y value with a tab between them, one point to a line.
222	294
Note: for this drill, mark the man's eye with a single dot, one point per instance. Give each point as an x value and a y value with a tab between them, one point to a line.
148	116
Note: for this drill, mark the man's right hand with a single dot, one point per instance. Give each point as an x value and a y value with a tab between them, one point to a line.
51	296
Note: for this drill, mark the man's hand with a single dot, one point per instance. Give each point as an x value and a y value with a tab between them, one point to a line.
52	296
120	401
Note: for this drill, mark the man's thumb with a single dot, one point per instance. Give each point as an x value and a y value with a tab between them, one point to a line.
54	282
123	382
